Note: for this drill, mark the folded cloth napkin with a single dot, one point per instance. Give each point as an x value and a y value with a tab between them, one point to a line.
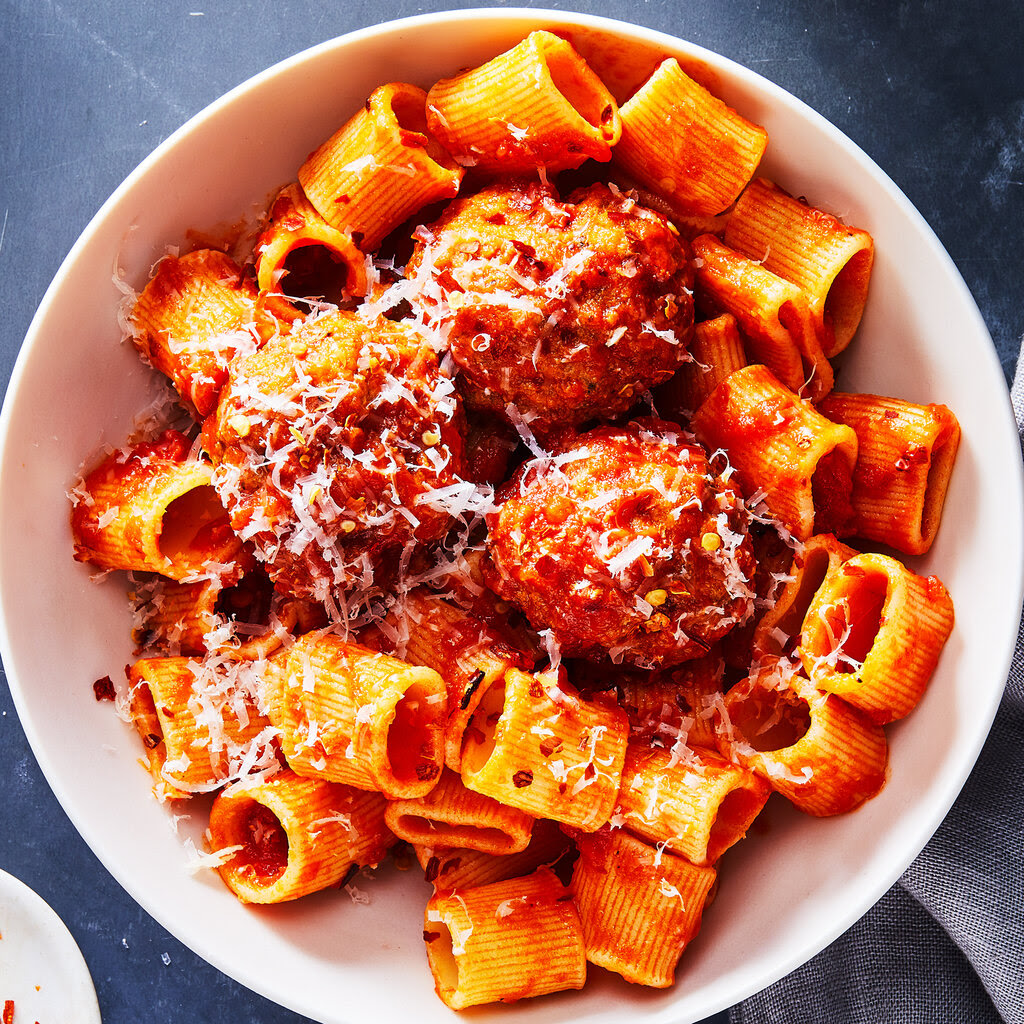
946	942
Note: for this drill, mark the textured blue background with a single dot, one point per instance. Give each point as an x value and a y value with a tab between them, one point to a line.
933	91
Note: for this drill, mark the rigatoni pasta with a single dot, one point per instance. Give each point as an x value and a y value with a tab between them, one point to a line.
196	313
905	455
378	168
293	225
829	261
504	941
774	315
640	906
783	447
697	807
537	105
781	624
448	868
354	715
281	838
873	634
150	507
200	723
686	144
452	815
534	744
819	752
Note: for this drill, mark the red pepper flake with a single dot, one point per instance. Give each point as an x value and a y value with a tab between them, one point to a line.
103	689
426	772
451	865
522	778
430	871
430	936
471	688
152	740
549	745
523	249
448	282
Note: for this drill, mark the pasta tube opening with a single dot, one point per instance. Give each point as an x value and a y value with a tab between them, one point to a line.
410	114
830	491
583	90
852	621
414	739
820	753
194	529
771	719
735	813
809	577
264	842
939	472
844	303
443	961
480	736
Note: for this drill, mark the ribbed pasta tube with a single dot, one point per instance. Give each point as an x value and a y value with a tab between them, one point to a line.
505	941
293	224
773	314
670	705
195	315
535	745
779	443
353	715
697	806
537	105
195	618
781	624
380	167
905	460
467	652
829	261
460	868
177	617
640	907
873	634
451	815
686	144
819	752
717	350
287	836
150	507
200	723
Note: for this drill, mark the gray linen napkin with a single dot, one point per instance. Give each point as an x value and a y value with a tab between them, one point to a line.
946	942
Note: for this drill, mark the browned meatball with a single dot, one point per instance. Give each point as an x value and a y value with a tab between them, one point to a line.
564	309
330	446
625	545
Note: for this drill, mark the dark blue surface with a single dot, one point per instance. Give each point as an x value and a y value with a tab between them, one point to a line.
933	91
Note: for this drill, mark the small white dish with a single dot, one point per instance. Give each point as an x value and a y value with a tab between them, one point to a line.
41	967
787	891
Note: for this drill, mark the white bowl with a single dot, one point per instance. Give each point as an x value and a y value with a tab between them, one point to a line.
785	892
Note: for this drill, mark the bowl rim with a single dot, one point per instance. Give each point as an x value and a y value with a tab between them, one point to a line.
1013	484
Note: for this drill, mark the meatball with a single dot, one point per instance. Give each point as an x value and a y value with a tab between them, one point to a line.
330	445
626	545
566	310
